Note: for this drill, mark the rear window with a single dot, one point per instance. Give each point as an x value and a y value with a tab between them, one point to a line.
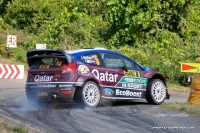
47	62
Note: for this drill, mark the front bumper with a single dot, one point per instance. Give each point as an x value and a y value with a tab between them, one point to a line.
47	91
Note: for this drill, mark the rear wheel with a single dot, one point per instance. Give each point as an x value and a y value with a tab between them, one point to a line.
156	92
89	95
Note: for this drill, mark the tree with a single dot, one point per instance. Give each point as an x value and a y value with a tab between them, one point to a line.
135	21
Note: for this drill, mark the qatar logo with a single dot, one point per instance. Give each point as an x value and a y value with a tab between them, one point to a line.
109	77
44	78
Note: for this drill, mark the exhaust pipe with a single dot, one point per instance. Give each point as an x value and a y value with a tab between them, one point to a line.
54	97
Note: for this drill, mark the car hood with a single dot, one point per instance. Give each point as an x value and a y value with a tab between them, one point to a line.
147	69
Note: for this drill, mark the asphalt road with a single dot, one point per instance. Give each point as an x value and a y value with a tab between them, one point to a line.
121	117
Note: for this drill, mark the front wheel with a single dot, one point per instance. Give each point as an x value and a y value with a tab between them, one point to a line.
89	94
156	92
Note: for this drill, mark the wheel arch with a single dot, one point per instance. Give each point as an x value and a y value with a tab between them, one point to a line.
159	76
88	79
162	78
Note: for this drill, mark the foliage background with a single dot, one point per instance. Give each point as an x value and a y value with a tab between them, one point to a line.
159	34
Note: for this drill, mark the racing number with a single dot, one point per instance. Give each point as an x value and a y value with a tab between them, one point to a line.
96	59
132	73
139	75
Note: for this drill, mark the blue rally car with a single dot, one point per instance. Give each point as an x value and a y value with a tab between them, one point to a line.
89	75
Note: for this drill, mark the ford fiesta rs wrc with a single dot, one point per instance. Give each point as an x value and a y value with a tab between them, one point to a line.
90	75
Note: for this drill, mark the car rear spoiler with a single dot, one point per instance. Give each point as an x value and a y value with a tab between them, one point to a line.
45	52
32	54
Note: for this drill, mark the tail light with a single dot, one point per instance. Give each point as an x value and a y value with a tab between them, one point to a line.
69	68
67	91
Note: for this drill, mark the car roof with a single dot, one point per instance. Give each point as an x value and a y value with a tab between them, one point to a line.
74	53
77	52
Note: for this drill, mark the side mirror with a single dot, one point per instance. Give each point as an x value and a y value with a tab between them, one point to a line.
125	68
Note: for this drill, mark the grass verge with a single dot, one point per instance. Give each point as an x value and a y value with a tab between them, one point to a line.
4	128
182	107
178	88
9	60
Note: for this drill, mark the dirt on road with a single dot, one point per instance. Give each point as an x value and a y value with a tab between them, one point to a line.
177	96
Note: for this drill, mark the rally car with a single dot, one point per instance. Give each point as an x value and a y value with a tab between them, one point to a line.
89	75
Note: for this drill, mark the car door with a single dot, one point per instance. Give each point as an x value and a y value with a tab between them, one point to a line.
92	66
123	84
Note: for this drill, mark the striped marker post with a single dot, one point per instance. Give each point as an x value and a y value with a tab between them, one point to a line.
11	71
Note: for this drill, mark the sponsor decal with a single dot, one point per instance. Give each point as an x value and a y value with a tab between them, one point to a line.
108	91
105	76
82	69
128	93
134	86
93	59
42	78
31	86
129	79
65	85
45	86
86	57
65	89
134	80
132	73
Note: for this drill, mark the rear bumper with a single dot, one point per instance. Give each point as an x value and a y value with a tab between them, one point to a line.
48	91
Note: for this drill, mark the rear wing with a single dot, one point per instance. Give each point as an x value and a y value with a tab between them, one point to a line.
47	53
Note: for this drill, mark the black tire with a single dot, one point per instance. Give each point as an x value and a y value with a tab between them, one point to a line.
89	94
156	92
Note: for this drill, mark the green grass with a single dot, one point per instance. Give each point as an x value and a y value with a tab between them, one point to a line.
18	130
10	60
4	128
178	88
182	107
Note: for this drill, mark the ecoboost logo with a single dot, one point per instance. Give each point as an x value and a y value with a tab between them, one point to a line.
128	93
